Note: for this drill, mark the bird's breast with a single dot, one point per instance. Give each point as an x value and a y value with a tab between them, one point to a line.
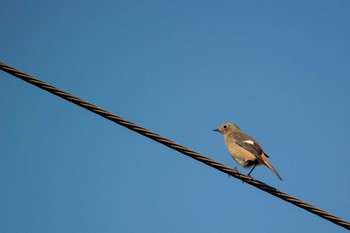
241	155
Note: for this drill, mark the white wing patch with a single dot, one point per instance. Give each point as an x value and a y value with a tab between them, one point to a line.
249	142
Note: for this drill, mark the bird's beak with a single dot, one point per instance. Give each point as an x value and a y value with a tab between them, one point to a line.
217	130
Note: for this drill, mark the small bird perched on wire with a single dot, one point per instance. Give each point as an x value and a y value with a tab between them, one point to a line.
244	149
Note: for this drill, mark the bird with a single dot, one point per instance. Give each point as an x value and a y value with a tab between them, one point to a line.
244	149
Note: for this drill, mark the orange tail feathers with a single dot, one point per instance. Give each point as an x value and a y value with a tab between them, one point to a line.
268	164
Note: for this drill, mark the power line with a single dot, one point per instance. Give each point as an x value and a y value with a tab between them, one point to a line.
186	151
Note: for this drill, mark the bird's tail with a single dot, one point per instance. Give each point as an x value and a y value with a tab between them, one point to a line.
268	164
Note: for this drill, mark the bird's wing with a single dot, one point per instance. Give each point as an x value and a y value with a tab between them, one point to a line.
247	142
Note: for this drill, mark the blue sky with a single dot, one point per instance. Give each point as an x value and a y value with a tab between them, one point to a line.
278	69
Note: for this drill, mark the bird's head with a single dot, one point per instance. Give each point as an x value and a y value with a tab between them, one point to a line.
226	128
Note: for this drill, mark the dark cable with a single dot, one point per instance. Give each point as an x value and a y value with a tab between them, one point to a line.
158	138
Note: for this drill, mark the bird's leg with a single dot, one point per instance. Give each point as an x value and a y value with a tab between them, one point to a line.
252	169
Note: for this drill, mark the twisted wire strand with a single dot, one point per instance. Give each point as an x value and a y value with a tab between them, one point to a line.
173	145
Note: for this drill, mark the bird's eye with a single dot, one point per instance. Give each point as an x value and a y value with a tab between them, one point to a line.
225	126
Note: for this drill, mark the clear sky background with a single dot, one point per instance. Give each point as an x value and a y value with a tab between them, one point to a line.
279	69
